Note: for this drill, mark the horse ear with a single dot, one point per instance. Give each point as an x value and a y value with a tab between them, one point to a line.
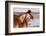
29	11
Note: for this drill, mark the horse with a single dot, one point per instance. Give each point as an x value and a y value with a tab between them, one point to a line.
22	22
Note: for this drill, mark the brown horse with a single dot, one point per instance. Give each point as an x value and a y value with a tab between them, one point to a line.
19	23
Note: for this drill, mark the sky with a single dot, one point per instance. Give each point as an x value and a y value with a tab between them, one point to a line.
26	9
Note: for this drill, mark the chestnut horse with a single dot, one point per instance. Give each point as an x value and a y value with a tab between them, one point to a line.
24	22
